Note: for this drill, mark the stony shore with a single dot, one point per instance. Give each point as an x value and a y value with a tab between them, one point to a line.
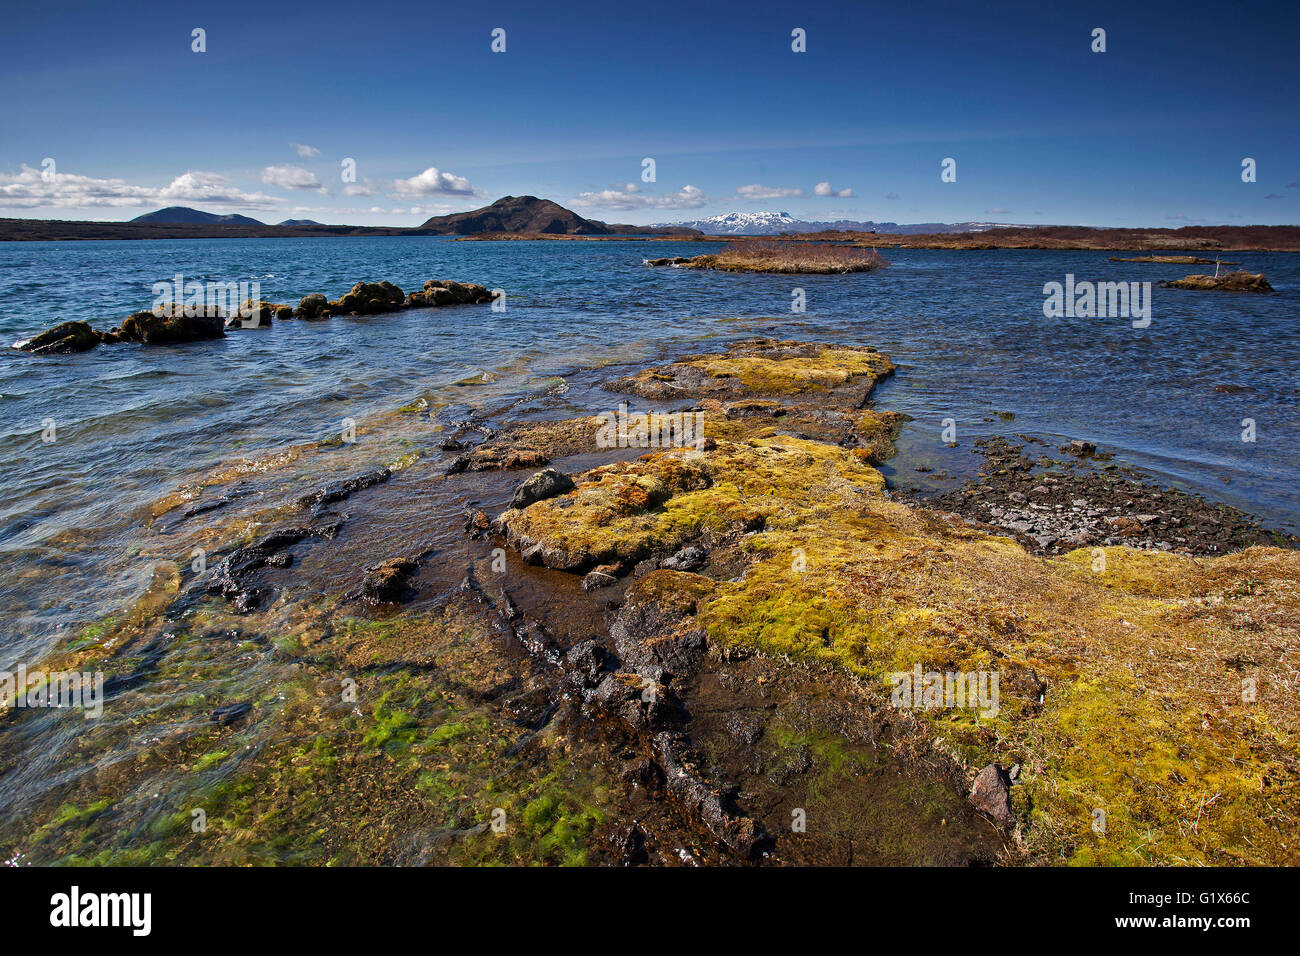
687	650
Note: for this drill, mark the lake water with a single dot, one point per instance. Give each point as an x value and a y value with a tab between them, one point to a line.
133	424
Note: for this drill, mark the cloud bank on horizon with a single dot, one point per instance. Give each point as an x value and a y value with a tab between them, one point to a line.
832	111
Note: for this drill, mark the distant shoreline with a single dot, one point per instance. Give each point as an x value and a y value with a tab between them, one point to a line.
1207	239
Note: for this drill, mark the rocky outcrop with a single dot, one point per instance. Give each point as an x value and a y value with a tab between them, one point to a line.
546	483
314	306
150	328
387	582
258	315
62	339
369	298
1228	282
170	323
447	292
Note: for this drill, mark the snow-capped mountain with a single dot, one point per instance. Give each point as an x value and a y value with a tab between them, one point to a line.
744	224
774	223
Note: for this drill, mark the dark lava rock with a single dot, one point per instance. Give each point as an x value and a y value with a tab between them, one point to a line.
229	713
992	794
149	328
477	523
629	843
230	578
645	567
647	639
386	582
531	709
689	558
257	315
446	292
546	483
1239	281
62	339
314	306
369	298
584	663
701	802
343	489
597	579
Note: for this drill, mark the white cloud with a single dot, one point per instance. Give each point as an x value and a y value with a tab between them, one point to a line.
755	191
629	196
305	151
363	188
432	182
824	189
291	177
996	211
32	188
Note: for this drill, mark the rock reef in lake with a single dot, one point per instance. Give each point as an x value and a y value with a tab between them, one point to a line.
61	339
170	328
172	323
1228	282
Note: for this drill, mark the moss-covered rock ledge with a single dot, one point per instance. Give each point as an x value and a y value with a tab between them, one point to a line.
1146	713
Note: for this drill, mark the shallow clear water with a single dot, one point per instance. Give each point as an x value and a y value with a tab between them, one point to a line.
967	329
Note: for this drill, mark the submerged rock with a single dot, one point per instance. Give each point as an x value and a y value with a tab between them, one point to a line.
386	582
690	558
62	339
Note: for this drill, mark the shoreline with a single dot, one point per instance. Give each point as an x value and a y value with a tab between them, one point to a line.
1186	239
672	628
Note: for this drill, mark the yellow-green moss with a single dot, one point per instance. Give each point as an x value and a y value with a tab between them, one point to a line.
830	367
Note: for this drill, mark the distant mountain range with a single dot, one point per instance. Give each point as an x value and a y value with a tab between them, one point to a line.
528	214
178	215
775	223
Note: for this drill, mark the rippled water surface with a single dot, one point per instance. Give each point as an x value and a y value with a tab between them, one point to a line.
967	328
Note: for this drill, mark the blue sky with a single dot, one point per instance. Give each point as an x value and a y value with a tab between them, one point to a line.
1150	133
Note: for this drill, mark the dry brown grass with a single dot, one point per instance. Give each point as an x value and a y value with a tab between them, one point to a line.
770	256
